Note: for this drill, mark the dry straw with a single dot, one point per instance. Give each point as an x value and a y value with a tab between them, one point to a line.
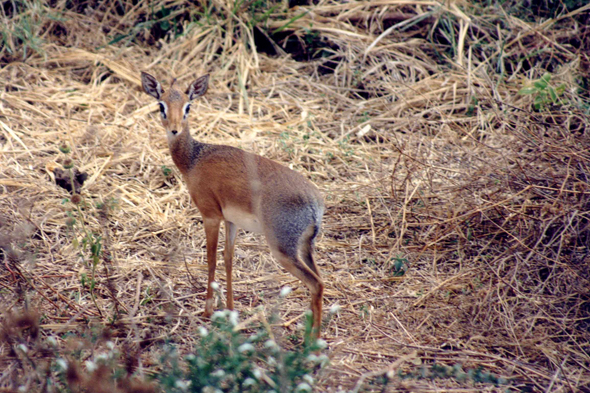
426	154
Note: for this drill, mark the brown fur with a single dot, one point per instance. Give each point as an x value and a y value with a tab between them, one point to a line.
244	190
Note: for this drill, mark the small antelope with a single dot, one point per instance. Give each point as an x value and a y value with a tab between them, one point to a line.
246	191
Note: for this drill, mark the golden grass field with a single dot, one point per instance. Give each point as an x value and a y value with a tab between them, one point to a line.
407	116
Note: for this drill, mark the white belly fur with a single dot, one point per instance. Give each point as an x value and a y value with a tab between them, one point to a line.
242	219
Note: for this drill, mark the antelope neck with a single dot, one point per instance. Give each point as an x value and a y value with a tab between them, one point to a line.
185	151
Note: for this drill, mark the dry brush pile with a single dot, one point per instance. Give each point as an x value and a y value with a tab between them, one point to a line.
450	140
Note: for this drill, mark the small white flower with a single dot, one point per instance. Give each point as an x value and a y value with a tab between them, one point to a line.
101	357
271	361
249	382
90	365
110	345
23	348
285	291
233	318
321	343
257	373
202	331
22	388
303	387
308	378
190	357
218	315
245	347
62	364
218	373
52	341
335	309
215	286
312	357
271	344
323	360
182	384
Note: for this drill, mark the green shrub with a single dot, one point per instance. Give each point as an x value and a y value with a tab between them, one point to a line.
543	92
226	360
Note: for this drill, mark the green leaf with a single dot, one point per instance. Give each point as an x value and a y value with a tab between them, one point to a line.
283	27
540	84
165	11
95	249
165	25
546	78
552	94
264	16
118	38
527	90
539	102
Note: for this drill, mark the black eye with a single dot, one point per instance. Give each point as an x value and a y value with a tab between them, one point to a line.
187	109
162	109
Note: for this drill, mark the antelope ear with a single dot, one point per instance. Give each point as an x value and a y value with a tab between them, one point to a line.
198	87
151	85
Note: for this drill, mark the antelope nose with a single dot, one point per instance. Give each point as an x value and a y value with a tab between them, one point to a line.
174	132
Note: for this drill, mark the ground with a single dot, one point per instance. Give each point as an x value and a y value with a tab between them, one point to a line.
457	209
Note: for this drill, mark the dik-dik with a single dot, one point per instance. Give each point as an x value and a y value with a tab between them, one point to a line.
246	191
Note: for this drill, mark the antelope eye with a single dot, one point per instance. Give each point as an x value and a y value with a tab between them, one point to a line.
162	109
187	109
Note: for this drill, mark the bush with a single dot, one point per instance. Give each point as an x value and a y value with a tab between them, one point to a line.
226	360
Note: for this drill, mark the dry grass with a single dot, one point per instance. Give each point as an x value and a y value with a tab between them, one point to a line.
419	141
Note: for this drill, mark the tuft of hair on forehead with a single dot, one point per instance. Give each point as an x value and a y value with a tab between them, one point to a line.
173	93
